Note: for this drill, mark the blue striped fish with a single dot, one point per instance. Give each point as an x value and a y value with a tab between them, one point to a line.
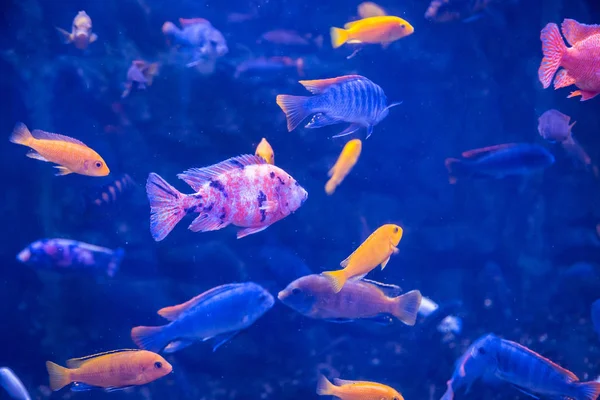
350	98
530	372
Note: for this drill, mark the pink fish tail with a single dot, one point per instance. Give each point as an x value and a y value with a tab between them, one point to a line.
407	306
587	390
166	206
554	49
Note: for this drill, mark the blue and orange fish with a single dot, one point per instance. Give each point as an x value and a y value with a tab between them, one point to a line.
351	98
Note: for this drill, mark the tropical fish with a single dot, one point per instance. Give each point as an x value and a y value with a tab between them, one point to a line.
109	193
579	62
369	9
343	165
265	151
456	10
530	372
373	30
244	191
314	297
13	385
376	250
219	314
70	255
112	370
72	155
350	98
554	126
285	37
269	65
141	73
356	390
81	34
500	161
198	38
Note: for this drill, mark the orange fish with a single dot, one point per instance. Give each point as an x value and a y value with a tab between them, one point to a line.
112	370
356	390
265	151
383	30
579	62
81	33
376	250
72	155
343	165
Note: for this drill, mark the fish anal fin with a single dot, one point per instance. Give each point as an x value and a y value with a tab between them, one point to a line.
196	177
173	312
43	135
476	153
320	85
82	387
563	79
527	393
115	388
78	362
575	32
249	231
35	155
349	130
177	345
62	170
223	338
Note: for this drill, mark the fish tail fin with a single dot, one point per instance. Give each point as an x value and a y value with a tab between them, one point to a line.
66	36
454	167
337	279
587	390
21	135
115	263
169	28
407	306
324	387
295	108
59	376
338	37
330	186
165	206
151	338
554	49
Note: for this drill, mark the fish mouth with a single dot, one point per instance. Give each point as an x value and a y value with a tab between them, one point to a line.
281	295
24	255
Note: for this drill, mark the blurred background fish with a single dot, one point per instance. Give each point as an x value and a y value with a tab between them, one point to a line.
13	385
81	34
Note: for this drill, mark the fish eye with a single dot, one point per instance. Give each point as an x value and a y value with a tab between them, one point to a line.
481	351
403	27
98	164
158	365
295	291
396	230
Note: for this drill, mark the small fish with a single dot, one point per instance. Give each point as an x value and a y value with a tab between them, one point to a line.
13	385
373	30
219	314
579	62
199	35
67	255
447	324
314	297
356	390
350	98
244	191
72	155
500	161
285	37
595	313
530	372
343	165
376	250
81	34
141	73
269	65
369	9
109	194
112	370
554	126
265	151
456	10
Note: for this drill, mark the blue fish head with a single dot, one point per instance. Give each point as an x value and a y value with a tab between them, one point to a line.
258	301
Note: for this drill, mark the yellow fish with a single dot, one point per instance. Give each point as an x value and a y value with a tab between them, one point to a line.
265	151
382	29
346	161
369	9
356	390
374	251
81	32
72	155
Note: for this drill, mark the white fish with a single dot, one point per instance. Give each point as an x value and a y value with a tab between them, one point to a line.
13	385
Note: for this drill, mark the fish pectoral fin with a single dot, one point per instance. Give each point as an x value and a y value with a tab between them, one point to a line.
35	155
82	387
320	120
269	206
223	338
177	345
369	131
249	231
67	38
349	130
383	264
355	52
62	170
525	392
93	37
206	222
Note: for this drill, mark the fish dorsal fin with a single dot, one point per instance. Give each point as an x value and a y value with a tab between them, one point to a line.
477	153
173	312
557	367
192	21
341	382
78	362
196	177
38	134
575	32
317	86
387	289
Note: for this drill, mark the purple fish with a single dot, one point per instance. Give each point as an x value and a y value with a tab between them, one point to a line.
554	126
314	297
350	98
65	254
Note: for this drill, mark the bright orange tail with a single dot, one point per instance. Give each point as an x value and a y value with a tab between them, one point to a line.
337	279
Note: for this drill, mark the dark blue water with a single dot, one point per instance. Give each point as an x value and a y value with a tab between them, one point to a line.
517	256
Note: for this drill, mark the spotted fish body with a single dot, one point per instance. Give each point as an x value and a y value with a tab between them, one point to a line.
351	98
244	191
